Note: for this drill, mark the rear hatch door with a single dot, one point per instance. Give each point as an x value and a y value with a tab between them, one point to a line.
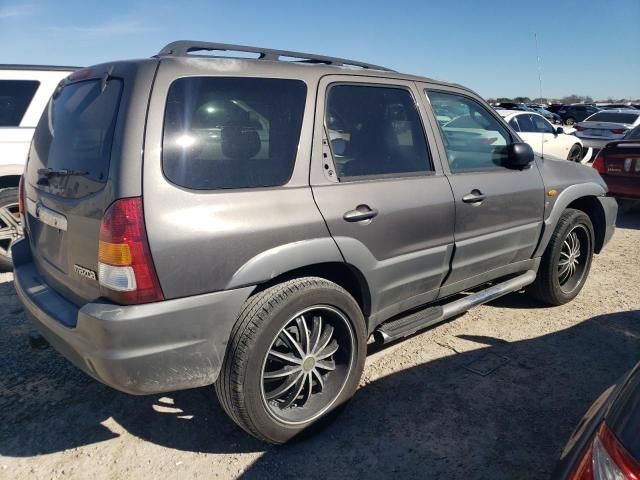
67	183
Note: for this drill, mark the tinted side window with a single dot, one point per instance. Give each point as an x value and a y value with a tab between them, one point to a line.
375	131
541	124
224	132
474	140
514	124
15	97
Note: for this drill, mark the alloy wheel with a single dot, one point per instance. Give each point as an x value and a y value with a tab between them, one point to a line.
307	364
573	258
10	227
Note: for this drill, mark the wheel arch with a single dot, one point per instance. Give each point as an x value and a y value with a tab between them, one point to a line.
592	207
343	274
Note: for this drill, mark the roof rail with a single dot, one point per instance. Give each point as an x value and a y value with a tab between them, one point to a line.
184	47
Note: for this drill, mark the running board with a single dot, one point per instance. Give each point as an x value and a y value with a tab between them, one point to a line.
410	324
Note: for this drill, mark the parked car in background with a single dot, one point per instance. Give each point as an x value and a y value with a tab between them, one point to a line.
24	92
611	106
544	137
572	114
619	165
552	117
606	126
605	444
554	107
512	106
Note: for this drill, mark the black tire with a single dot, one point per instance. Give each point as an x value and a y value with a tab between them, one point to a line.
570	121
8	207
549	287
264	317
575	153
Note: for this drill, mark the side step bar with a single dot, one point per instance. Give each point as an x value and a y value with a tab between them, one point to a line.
405	326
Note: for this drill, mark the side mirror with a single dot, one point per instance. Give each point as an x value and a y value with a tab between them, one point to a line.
559	130
520	155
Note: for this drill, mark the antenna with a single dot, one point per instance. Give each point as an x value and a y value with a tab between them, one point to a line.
535	36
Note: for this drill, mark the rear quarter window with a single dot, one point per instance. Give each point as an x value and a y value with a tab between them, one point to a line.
15	97
225	132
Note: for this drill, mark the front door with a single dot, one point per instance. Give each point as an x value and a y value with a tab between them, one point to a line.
381	191
499	210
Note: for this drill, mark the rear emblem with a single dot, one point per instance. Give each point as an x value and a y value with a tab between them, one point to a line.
85	272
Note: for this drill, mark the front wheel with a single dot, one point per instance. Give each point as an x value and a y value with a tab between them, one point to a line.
295	355
575	153
566	261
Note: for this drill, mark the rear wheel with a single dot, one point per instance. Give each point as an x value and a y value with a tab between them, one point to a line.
10	226
296	354
575	153
570	121
566	261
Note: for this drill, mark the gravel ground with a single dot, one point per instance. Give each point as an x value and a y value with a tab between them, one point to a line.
420	412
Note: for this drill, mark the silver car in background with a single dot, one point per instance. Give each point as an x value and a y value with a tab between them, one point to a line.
606	126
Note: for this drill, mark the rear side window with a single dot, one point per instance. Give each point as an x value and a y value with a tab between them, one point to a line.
526	124
614	117
15	97
224	132
76	129
375	131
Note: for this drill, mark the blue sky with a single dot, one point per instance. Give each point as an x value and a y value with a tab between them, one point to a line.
588	47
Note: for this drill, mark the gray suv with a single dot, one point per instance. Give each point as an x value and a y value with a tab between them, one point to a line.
195	219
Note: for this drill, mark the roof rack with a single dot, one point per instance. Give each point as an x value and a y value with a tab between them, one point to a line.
184	47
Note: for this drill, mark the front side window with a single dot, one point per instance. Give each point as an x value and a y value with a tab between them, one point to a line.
375	131
474	139
224	132
15	97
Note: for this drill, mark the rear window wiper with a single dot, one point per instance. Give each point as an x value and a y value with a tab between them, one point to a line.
60	172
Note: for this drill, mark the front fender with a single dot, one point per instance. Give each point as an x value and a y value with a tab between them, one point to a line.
284	258
563	200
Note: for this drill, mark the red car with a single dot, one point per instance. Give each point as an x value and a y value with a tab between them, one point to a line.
619	165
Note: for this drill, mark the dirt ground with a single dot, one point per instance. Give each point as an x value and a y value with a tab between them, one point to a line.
419	413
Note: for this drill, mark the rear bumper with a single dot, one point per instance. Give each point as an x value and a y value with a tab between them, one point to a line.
623	187
141	349
610	209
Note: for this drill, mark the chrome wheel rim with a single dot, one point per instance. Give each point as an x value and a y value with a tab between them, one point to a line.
573	258
10	227
307	364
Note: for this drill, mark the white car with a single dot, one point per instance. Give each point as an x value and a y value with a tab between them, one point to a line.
545	138
607	126
24	93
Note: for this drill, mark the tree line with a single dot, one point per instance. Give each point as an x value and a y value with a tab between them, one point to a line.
568	99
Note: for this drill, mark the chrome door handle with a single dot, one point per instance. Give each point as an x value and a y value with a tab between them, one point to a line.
475	196
361	212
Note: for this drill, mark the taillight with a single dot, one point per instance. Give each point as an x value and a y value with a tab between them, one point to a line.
618	131
126	271
606	459
598	163
579	128
21	196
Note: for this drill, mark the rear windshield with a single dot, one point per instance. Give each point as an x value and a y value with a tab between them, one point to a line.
75	131
15	97
224	132
614	117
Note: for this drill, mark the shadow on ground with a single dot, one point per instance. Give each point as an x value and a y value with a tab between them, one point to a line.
436	419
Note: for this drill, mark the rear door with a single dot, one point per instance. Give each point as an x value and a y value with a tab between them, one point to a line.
67	183
499	211
381	190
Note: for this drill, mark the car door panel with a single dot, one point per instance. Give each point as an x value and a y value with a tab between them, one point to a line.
504	227
404	250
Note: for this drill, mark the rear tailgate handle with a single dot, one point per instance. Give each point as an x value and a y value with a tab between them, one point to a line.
361	212
475	196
